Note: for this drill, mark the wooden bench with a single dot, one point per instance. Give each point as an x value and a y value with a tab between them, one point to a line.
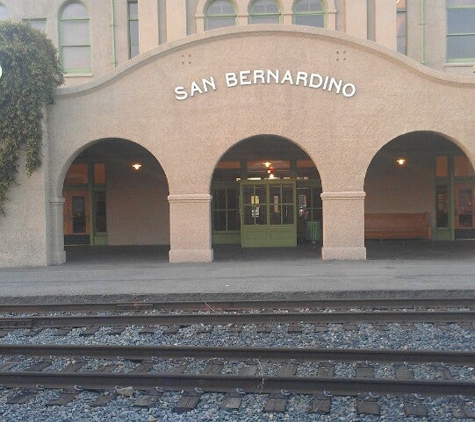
397	226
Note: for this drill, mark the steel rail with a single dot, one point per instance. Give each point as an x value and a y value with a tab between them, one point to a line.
239	353
239	305
229	383
232	318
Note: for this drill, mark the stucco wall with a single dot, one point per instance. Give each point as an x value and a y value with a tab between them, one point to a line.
25	229
394	189
137	206
340	134
393	96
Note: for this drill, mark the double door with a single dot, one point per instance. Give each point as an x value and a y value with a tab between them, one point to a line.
268	213
455	211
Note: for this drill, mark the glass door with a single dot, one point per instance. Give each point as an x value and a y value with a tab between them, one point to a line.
268	213
464	211
225	213
76	223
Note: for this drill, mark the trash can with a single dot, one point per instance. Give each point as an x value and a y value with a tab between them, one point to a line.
313	232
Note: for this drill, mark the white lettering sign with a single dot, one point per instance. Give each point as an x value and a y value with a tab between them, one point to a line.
265	77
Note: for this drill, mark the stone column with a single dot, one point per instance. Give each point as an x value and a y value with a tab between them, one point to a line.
176	19
190	228
57	252
385	23
357	18
343	225
148	25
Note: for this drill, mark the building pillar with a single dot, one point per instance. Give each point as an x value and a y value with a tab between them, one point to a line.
356	12
343	225
176	19
148	25
385	23
58	254
190	228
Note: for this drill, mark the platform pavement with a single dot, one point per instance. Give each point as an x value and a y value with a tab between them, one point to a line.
392	270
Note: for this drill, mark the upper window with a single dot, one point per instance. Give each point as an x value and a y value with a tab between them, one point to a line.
264	11
133	11
460	30
4	15
220	14
401	27
309	12
75	47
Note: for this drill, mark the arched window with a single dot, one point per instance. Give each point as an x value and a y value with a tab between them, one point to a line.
264	11
220	14
460	30
4	15
75	47
310	13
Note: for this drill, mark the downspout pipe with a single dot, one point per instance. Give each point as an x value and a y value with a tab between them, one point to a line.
114	54
423	31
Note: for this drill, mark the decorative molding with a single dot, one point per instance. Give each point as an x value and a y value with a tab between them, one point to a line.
352	195
190	198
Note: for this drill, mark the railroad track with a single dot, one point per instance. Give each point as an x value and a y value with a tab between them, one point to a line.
250	376
279	372
315	312
220	306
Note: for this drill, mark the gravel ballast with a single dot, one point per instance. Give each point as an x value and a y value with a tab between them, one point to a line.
343	408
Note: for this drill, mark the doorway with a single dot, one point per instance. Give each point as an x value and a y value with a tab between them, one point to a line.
76	218
266	193
464	211
268	216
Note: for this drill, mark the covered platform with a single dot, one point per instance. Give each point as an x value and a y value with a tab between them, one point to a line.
394	269
390	250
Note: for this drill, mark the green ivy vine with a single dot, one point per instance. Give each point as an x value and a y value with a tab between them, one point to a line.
30	75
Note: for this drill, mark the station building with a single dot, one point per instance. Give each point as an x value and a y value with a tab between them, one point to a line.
259	123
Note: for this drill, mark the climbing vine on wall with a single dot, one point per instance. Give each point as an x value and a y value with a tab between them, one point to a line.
30	75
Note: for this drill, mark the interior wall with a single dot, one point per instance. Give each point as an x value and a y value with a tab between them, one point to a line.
393	188
137	204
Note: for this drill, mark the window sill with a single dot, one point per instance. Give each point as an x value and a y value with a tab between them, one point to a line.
460	64
79	75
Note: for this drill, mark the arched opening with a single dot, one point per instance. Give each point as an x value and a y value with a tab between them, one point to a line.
266	193
115	194
420	185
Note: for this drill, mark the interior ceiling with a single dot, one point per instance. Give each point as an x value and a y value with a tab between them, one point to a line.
263	147
421	142
113	149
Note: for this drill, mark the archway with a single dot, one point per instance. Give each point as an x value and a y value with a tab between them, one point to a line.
115	193
266	193
420	173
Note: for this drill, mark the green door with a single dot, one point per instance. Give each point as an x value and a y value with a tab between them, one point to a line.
268	213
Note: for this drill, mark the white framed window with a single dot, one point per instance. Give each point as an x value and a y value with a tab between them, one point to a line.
4	15
39	24
264	11
220	14
133	19
401	27
309	12
74	39
460	31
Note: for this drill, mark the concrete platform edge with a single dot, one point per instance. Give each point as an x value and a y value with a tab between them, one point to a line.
205	297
